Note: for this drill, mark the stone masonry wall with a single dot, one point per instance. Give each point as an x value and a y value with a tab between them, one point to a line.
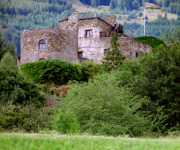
111	19
60	44
130	48
93	48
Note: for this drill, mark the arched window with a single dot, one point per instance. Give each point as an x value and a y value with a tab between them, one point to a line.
42	44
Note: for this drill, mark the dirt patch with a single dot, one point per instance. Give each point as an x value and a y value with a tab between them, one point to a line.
60	91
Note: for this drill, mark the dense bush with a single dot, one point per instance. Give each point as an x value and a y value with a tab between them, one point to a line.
27	118
150	40
101	106
92	68
159	83
15	87
54	71
65	122
6	47
140	98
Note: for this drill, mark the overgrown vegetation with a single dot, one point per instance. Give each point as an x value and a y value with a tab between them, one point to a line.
150	40
54	71
114	57
136	98
14	86
27	118
139	98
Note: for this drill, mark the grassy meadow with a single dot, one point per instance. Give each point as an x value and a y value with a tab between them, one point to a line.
68	142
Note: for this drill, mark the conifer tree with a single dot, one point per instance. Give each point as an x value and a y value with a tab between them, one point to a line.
114	56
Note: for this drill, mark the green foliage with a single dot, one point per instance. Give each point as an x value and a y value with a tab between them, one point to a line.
154	28
159	82
66	122
28	118
54	71
101	106
114	57
152	41
41	13
171	38
8	61
92	68
14	87
6	47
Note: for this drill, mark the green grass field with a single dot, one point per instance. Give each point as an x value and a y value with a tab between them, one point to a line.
65	142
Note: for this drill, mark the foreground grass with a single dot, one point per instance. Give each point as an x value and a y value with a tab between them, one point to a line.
65	142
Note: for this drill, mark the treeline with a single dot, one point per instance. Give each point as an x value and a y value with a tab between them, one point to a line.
96	3
172	6
154	28
119	6
16	16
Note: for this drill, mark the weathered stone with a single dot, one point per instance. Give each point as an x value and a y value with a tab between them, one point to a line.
59	43
87	37
111	19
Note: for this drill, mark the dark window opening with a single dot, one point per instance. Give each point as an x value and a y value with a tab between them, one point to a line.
103	34
80	54
105	51
137	54
88	33
42	44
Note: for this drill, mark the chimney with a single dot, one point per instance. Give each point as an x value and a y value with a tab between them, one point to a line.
111	19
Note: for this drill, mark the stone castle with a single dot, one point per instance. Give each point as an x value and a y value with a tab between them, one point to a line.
77	38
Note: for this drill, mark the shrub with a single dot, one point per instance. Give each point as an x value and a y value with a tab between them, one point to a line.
28	118
15	87
150	40
102	106
66	122
54	71
159	82
91	67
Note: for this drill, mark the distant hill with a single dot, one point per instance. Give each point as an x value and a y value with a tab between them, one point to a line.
17	15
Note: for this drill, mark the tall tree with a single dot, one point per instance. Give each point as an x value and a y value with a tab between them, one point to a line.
114	56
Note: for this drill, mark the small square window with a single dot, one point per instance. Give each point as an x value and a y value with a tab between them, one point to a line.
80	54
88	33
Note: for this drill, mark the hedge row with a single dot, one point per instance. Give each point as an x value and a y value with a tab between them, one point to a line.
54	71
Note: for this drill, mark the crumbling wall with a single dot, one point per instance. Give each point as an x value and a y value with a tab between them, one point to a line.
60	43
131	48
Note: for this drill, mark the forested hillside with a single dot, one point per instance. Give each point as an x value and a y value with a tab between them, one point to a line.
119	6
17	15
155	28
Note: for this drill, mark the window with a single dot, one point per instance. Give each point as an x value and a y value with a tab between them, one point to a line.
80	54
88	33
105	51
136	54
42	44
102	34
